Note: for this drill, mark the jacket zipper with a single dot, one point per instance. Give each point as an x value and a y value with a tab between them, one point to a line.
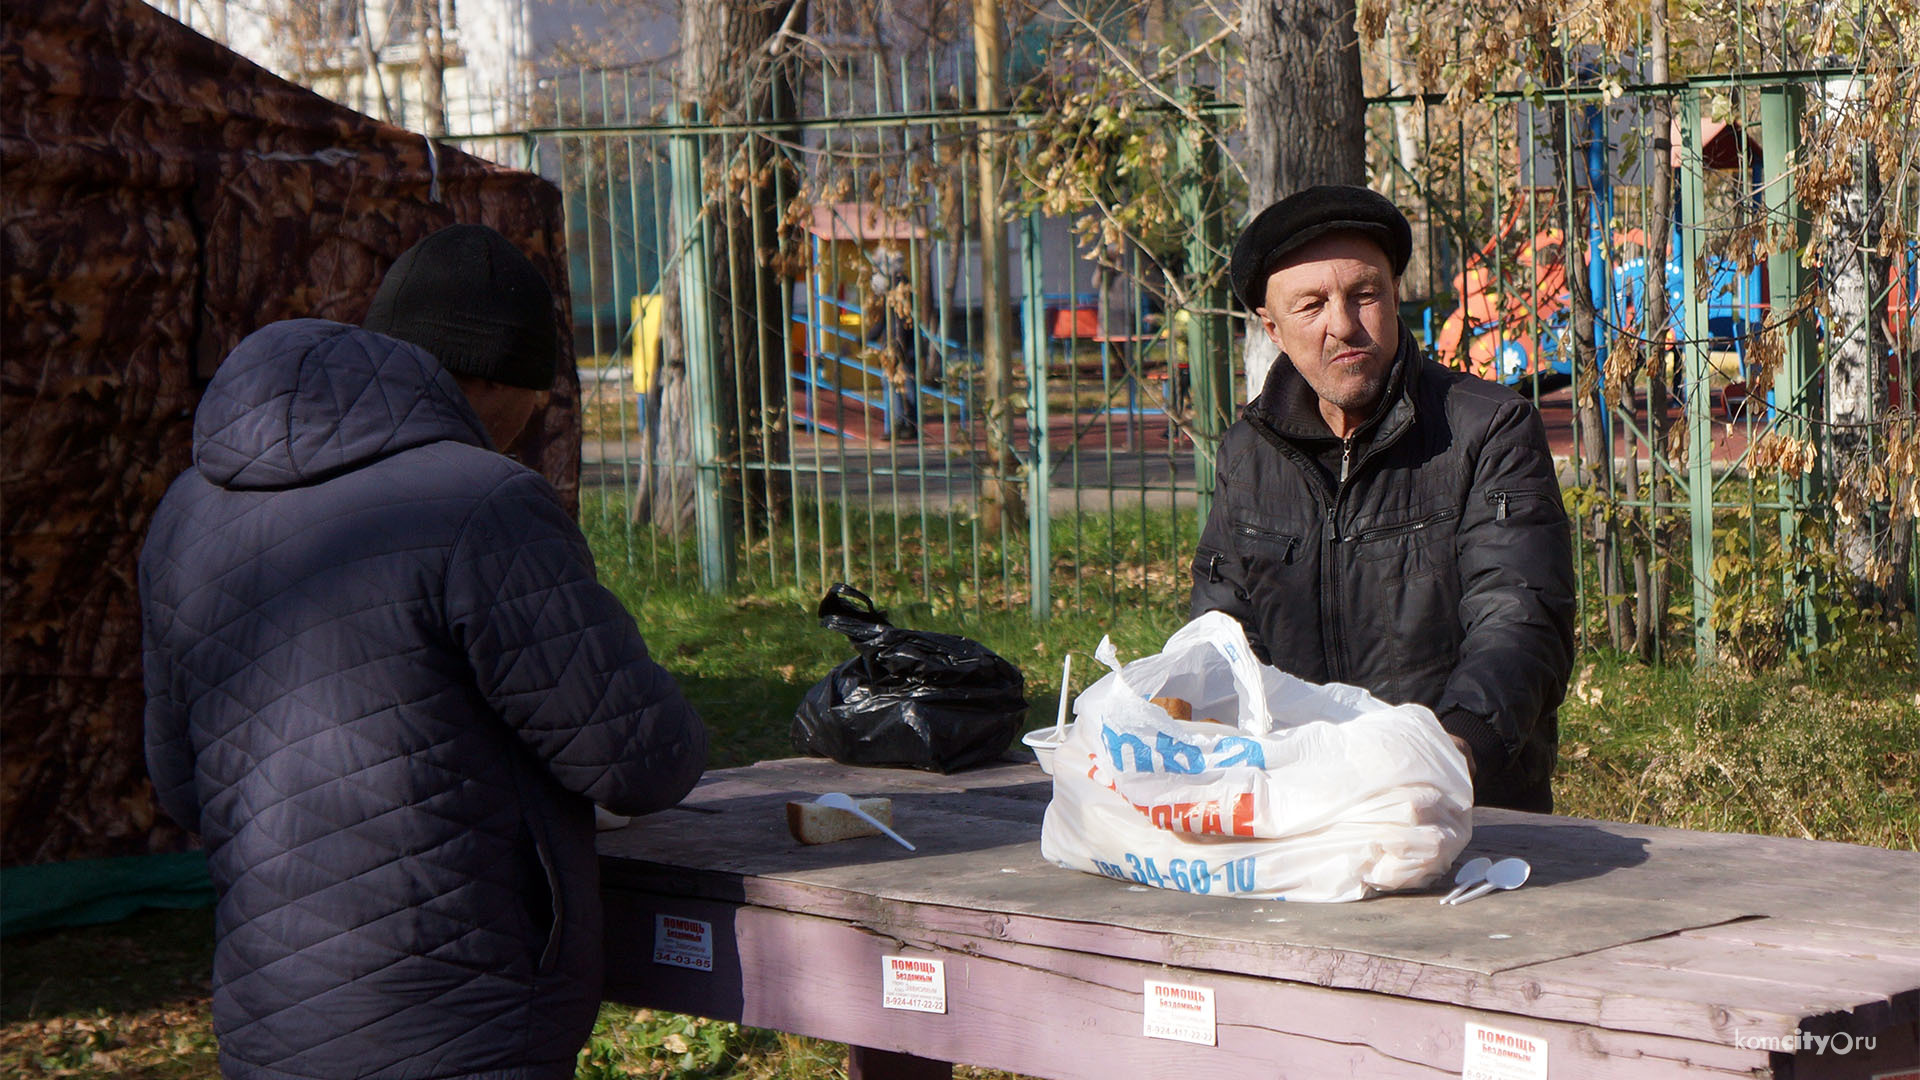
1336	639
1329	575
1386	531
1502	501
1334	643
1254	532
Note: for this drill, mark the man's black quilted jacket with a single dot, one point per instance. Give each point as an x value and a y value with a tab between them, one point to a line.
386	690
1439	572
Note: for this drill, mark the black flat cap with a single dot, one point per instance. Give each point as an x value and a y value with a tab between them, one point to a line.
1303	215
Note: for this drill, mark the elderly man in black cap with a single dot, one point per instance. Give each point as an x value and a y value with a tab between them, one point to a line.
1384	521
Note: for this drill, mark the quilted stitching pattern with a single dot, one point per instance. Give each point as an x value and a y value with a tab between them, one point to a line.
383	686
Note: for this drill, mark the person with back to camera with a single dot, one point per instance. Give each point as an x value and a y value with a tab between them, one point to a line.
1384	521
386	690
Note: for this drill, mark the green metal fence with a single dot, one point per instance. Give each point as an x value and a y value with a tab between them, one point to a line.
860	451
786	331
1709	451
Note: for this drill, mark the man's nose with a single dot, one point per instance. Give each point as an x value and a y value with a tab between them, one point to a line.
1344	321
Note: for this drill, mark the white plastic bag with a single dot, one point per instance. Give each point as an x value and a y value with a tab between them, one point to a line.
1298	792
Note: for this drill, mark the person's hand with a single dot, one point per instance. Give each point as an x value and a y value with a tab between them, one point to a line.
1465	750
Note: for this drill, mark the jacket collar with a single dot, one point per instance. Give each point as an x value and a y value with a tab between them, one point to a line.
1288	409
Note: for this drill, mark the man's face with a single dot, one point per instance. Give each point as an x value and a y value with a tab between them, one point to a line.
517	408
1333	308
503	410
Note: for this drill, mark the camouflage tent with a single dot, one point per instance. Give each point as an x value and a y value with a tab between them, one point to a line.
161	198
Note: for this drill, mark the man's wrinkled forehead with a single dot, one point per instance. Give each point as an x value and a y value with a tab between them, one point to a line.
1332	256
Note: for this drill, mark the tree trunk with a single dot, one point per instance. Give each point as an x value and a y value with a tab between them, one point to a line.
665	493
1306	114
1001	500
1409	135
1604	530
1603	527
370	63
1652	595
1306	111
1854	346
433	66
727	69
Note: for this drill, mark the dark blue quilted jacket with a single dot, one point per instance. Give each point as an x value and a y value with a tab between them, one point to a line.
385	689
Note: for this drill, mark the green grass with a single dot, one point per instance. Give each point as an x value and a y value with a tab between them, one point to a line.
1837	758
125	1000
945	561
1833	756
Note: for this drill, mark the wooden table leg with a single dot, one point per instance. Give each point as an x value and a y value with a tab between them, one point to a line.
866	1063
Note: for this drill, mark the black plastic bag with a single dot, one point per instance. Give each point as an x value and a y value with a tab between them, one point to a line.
912	697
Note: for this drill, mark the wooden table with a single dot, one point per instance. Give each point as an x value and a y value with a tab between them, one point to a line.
1634	952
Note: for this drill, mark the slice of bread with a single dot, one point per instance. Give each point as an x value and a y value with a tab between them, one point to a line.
811	823
1178	708
1181	709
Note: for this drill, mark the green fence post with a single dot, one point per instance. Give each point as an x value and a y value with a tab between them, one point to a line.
696	300
1033	343
1197	161
1780	109
1693	199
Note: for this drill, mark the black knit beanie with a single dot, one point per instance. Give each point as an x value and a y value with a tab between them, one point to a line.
471	299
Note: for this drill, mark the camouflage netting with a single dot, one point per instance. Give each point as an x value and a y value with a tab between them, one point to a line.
162	197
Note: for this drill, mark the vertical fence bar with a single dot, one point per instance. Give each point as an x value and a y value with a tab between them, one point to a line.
1040	465
709	514
786	393
732	239
658	454
1197	155
764	367
1780	108
1693	198
590	395
1073	441
638	344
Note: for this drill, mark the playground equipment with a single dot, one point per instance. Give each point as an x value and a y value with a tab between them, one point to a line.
1511	330
1514	311
1903	328
647	313
837	365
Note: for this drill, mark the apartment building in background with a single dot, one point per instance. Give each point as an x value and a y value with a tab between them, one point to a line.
439	67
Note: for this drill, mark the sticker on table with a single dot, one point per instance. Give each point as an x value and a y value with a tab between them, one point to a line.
1493	1054
913	983
683	943
1182	1013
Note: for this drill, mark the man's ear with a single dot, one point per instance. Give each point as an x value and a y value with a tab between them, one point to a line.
1267	324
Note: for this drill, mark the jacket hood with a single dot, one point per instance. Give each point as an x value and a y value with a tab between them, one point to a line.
303	400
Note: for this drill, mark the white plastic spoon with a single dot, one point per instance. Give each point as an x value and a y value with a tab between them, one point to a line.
1060	720
1505	874
1472	872
840	800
